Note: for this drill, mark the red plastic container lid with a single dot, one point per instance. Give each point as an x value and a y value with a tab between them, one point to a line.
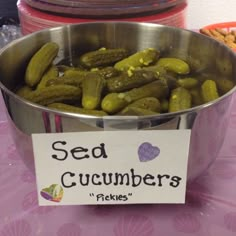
30	14
102	9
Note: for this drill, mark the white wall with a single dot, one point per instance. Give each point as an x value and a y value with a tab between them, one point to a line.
204	12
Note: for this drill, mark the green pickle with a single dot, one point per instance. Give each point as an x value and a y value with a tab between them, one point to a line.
76	74
51	73
224	85
55	93
138	59
106	72
92	87
40	62
74	109
164	105
188	83
115	102
196	94
65	80
180	99
129	80
147	103
102	57
209	91
137	111
24	91
175	65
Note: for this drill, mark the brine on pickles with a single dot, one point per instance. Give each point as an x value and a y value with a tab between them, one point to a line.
113	81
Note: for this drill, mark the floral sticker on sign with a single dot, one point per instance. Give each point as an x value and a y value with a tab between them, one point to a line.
52	193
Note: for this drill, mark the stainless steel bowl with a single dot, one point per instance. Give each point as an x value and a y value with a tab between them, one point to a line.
208	122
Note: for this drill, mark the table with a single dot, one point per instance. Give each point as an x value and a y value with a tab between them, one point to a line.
210	208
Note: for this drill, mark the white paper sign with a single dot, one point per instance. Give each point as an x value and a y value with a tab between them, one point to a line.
111	167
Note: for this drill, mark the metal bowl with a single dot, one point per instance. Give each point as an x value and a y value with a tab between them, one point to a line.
207	122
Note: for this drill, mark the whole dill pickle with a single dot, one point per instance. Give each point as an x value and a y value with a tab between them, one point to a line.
39	63
196	96
92	87
137	111
175	65
157	89
55	93
102	57
74	109
209	91
188	83
224	85
147	103
170	80
106	72
180	99
52	72
66	79
24	91
115	102
128	81
164	105
138	59
165	75
71	73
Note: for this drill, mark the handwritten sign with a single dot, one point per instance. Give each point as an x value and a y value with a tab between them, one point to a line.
111	167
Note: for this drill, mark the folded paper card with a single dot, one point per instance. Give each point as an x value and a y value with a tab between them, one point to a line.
111	167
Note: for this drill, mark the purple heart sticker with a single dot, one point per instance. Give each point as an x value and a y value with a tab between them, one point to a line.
147	152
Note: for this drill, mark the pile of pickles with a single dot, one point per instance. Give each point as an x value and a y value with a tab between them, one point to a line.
115	82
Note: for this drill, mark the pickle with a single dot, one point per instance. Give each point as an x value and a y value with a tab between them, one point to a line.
170	81
196	96
72	73
188	83
102	57
24	91
106	72
74	109
92	87
164	105
128	81
157	89
115	102
175	65
180	99
148	103
70	77
52	72
137	111
66	80
224	85
55	93
138	59
40	62
167	76
209	91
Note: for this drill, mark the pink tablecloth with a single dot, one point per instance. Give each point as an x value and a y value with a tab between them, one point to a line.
210	209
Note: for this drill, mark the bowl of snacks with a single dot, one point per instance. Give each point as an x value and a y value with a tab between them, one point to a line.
121	76
224	32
